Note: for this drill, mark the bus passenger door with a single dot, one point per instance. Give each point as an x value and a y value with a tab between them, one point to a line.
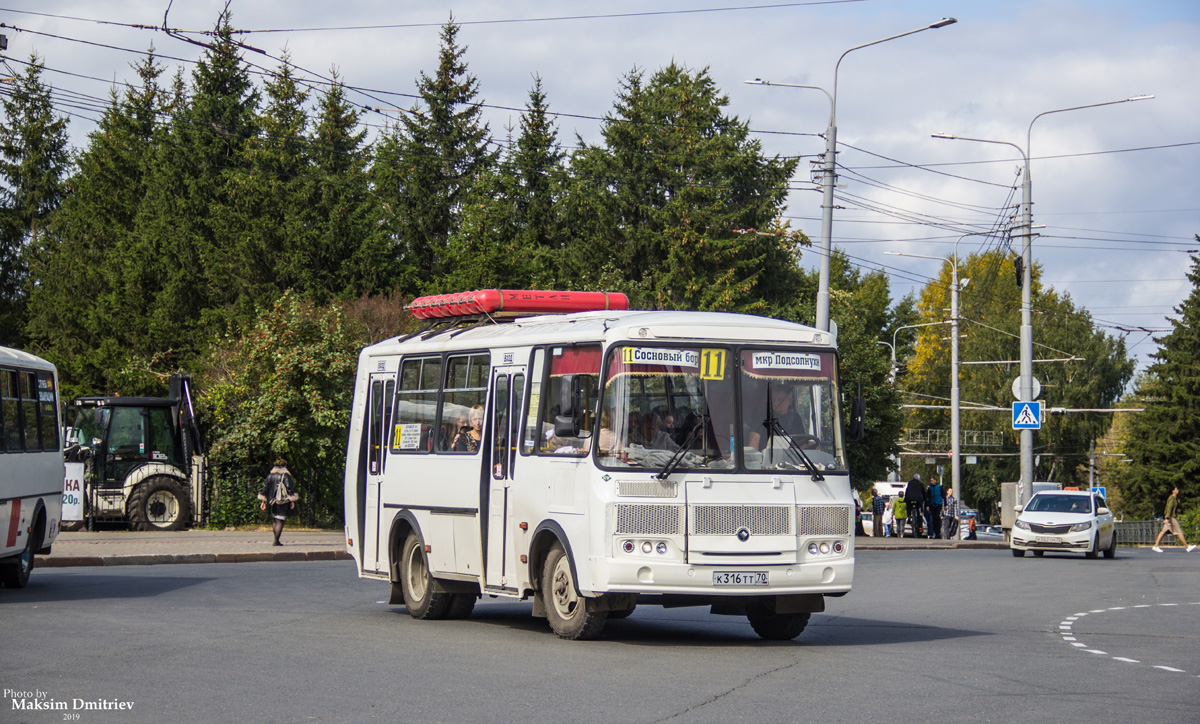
375	427
509	386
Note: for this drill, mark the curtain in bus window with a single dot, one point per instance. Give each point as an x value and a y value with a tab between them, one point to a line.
578	366
48	410
461	427
9	412
389	390
416	405
29	409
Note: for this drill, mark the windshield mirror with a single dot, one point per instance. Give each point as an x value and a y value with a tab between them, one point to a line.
789	393
658	400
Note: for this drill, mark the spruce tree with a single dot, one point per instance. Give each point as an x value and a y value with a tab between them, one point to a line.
184	219
674	201
34	162
510	235
1163	444
349	254
427	165
88	310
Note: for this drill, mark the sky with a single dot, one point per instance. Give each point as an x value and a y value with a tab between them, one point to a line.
1116	189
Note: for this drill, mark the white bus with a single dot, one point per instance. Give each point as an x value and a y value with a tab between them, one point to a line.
31	463
623	458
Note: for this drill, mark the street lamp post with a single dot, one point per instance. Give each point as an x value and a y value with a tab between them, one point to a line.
830	176
1026	385
955	403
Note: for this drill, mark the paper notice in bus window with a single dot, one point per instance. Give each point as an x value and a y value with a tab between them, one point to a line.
647	356
408	437
786	361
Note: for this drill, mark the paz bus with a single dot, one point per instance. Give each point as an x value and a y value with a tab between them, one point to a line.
31	463
559	447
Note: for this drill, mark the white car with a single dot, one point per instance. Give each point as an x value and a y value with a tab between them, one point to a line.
1064	520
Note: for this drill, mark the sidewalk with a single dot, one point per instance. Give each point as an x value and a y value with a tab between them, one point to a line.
123	548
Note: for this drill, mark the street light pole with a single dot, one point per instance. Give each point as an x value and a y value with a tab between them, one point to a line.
830	176
955	402
1026	385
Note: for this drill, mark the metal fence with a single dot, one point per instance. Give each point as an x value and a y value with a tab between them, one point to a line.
1141	532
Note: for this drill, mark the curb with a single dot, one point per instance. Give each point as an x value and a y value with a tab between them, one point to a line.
173	558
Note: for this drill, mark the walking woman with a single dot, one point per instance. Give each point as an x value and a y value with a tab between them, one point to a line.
279	493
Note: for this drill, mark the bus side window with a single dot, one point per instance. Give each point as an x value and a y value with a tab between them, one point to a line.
569	400
9	406
500	428
461	416
529	441
415	405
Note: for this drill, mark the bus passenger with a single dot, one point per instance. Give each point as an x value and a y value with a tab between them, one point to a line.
467	439
655	438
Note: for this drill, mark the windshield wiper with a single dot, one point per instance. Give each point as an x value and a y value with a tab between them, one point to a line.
677	458
795	447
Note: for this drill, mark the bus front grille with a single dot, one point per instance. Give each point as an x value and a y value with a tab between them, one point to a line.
649	519
729	519
824	519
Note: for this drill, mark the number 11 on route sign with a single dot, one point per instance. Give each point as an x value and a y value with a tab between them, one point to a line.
1027	415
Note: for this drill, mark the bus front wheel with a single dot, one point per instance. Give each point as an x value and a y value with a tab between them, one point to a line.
570	615
416	584
775	626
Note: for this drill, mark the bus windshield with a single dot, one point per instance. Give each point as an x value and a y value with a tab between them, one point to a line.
679	402
658	403
789	410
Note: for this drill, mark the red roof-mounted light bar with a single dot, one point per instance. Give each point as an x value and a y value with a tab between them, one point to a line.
525	301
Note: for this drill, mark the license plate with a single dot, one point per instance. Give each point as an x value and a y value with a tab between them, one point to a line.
739	578
1045	539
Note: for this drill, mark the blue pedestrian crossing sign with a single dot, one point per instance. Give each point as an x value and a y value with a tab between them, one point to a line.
1027	415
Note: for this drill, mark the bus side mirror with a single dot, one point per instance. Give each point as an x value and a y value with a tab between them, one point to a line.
858	414
570	407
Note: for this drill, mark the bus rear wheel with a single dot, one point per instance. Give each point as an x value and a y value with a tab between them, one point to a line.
775	626
15	572
570	615
416	584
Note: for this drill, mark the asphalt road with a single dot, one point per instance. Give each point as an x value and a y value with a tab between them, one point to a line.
945	636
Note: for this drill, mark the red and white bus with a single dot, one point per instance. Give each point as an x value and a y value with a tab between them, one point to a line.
595	459
31	463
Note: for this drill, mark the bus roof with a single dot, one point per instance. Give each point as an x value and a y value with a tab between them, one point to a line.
610	326
8	355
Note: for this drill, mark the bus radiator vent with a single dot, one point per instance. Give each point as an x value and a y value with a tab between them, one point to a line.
649	520
824	519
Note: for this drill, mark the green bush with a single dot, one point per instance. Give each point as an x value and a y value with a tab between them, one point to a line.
283	389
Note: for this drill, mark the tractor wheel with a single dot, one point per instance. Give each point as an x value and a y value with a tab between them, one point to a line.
159	503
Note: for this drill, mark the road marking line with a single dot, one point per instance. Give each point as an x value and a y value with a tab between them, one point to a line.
1098	610
1128	661
1168	668
1065	627
1096	651
1082	646
1069	638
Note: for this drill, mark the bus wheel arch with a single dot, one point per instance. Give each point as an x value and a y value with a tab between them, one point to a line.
545	535
421	595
